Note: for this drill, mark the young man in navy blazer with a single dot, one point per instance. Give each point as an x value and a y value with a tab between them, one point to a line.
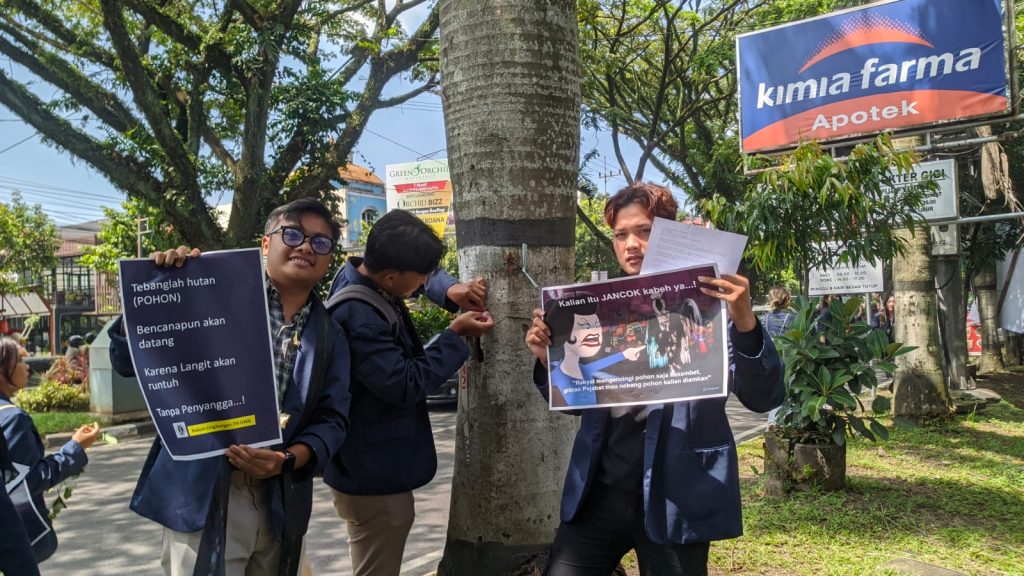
389	451
261	536
661	479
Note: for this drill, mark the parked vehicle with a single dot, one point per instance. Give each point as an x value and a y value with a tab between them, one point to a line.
448	392
38	366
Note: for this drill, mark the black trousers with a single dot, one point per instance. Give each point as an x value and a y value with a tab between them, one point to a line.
609	525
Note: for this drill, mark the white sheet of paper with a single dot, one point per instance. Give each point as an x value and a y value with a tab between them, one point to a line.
675	245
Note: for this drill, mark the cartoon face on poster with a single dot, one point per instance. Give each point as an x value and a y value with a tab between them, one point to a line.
638	340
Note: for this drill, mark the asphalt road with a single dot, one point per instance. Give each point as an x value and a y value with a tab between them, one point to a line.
99	536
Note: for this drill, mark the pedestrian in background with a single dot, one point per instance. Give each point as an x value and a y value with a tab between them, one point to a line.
40	471
777	321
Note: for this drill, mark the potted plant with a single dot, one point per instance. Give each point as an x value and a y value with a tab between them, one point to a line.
830	361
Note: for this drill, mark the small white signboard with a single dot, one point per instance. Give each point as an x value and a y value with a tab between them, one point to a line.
942	204
945	239
862	278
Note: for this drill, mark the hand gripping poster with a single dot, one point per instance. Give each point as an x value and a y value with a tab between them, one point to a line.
199	338
638	340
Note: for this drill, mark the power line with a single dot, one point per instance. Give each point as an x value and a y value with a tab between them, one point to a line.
16	183
19	142
399	144
72	200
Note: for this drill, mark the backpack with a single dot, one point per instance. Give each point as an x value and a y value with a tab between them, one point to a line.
369	296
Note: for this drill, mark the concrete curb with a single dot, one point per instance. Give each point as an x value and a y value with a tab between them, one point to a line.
120	432
750	434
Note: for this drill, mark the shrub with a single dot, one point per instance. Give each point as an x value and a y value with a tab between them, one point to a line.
73	371
428	318
52	396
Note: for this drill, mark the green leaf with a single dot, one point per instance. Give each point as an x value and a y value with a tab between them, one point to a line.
839	436
861	429
842	397
828	353
824	378
881	405
878	429
841	378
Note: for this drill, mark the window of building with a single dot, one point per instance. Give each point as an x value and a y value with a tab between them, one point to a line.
369	216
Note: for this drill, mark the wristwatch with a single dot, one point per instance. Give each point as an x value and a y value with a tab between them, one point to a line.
289	461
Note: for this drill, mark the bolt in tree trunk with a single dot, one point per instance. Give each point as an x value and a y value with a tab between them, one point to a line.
985	286
510	81
919	385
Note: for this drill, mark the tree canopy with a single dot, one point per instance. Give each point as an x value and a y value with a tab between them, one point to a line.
28	245
814	210
119	236
180	102
663	74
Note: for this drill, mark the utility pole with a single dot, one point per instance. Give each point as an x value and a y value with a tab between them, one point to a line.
139	233
605	175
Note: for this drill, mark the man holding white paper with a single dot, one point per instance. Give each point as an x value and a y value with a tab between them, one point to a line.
617	495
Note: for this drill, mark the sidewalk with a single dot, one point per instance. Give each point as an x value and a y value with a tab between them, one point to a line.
99	536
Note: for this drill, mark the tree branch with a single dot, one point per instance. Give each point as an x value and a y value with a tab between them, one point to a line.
104	104
211	53
383	67
129	174
146	98
72	42
249	14
603	240
350	8
403	98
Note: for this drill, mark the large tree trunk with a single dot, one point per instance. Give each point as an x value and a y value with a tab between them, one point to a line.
985	287
510	80
919	386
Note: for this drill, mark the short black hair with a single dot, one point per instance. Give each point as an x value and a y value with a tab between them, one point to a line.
400	241
293	212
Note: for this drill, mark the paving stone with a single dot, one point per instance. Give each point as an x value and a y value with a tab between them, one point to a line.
912	567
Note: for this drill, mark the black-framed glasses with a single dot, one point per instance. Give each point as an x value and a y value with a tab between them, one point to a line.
294	237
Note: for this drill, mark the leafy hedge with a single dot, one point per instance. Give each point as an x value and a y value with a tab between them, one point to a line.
51	396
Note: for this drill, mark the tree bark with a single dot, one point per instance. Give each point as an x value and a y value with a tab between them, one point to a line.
510	82
985	287
919	386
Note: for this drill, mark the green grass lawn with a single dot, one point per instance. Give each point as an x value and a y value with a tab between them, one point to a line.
50	422
952	496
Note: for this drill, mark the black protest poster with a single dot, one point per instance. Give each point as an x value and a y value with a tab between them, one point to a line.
200	342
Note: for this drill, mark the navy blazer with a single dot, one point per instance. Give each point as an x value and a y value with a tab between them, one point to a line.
691	477
177	494
390	445
45	471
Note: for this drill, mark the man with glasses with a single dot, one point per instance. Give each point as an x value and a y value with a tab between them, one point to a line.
258	528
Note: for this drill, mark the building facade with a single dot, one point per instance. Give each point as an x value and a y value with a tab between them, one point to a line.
361	200
71	300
